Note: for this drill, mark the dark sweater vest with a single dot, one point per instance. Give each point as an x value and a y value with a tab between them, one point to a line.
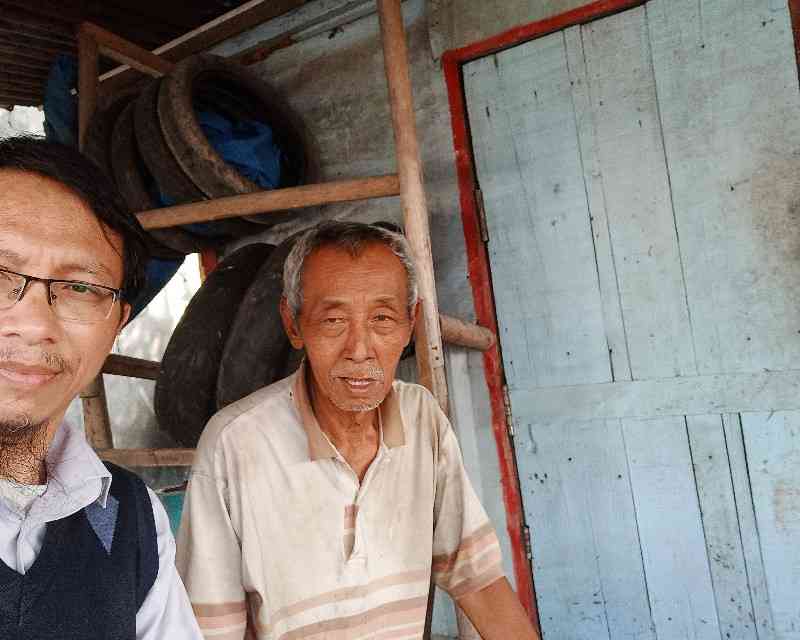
92	574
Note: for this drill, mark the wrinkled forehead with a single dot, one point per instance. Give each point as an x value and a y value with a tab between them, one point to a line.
374	268
46	223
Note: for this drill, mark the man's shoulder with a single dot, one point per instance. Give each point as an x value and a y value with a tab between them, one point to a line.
411	393
262	409
420	408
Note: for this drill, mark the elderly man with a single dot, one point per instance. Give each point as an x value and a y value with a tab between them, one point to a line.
320	506
86	552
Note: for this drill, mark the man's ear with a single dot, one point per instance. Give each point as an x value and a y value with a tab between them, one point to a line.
126	313
414	313
290	324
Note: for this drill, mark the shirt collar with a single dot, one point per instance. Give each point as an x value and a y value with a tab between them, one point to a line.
319	446
72	463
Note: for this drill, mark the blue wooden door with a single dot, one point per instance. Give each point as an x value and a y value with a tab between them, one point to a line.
641	181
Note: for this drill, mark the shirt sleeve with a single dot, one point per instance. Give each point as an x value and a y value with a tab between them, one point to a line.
165	612
466	552
209	552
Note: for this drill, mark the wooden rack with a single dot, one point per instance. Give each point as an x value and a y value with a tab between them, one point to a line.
407	183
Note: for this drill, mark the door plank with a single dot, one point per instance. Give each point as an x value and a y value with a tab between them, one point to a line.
712	472
579	505
540	244
730	107
592	177
751	545
670	528
670	397
637	195
772	443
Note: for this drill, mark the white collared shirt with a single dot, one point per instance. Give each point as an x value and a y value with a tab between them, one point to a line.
76	479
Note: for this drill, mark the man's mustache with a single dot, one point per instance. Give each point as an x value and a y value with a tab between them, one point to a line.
368	372
53	361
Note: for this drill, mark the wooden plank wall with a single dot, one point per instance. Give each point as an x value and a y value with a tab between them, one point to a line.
641	180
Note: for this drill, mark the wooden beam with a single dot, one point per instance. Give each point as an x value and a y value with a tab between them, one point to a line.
148	457
124	51
37	24
430	359
25	85
31	72
67	12
466	334
26	42
22	59
12	98
96	422
236	21
266	201
119	365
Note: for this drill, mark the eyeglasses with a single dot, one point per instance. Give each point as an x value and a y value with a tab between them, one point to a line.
69	299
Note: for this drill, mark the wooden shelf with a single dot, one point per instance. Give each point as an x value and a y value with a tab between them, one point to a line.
148	457
278	200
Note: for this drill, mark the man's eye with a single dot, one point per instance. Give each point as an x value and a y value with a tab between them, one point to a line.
383	318
79	288
333	320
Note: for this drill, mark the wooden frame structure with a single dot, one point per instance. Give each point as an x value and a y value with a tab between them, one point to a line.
407	183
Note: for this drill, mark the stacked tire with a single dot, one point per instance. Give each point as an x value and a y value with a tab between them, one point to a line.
154	146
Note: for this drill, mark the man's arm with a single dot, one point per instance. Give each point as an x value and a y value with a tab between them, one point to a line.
166	612
497	613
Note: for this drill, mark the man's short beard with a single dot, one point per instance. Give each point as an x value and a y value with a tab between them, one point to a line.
23	447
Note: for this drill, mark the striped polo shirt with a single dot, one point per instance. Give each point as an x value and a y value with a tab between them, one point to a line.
280	540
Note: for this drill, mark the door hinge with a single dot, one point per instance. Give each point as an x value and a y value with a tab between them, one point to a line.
482	216
507	407
526	539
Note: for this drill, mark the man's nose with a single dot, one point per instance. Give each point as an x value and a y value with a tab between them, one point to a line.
359	342
31	319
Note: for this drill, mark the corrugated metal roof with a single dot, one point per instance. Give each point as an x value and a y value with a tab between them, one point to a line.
34	32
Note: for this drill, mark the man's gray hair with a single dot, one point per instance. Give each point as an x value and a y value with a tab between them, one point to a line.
352	237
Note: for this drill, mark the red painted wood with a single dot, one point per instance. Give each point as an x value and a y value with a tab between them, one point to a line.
523	33
209	259
480	279
794	12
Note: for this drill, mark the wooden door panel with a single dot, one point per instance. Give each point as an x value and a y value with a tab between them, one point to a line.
728	98
542	257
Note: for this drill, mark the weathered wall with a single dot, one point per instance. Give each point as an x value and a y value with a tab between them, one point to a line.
457	23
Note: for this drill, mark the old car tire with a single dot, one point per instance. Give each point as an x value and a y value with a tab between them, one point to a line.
157	156
255	99
257	348
185	395
130	175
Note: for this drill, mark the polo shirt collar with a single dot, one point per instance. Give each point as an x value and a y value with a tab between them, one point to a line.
319	446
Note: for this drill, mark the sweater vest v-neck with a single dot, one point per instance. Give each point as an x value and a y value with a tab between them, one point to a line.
92	573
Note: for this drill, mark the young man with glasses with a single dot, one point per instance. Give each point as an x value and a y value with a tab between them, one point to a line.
86	550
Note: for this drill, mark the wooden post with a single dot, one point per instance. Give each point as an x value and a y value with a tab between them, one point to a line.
95	406
95	414
430	358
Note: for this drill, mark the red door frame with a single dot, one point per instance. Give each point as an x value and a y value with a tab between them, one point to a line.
478	259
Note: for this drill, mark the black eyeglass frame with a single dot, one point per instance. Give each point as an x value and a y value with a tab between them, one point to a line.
115	293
